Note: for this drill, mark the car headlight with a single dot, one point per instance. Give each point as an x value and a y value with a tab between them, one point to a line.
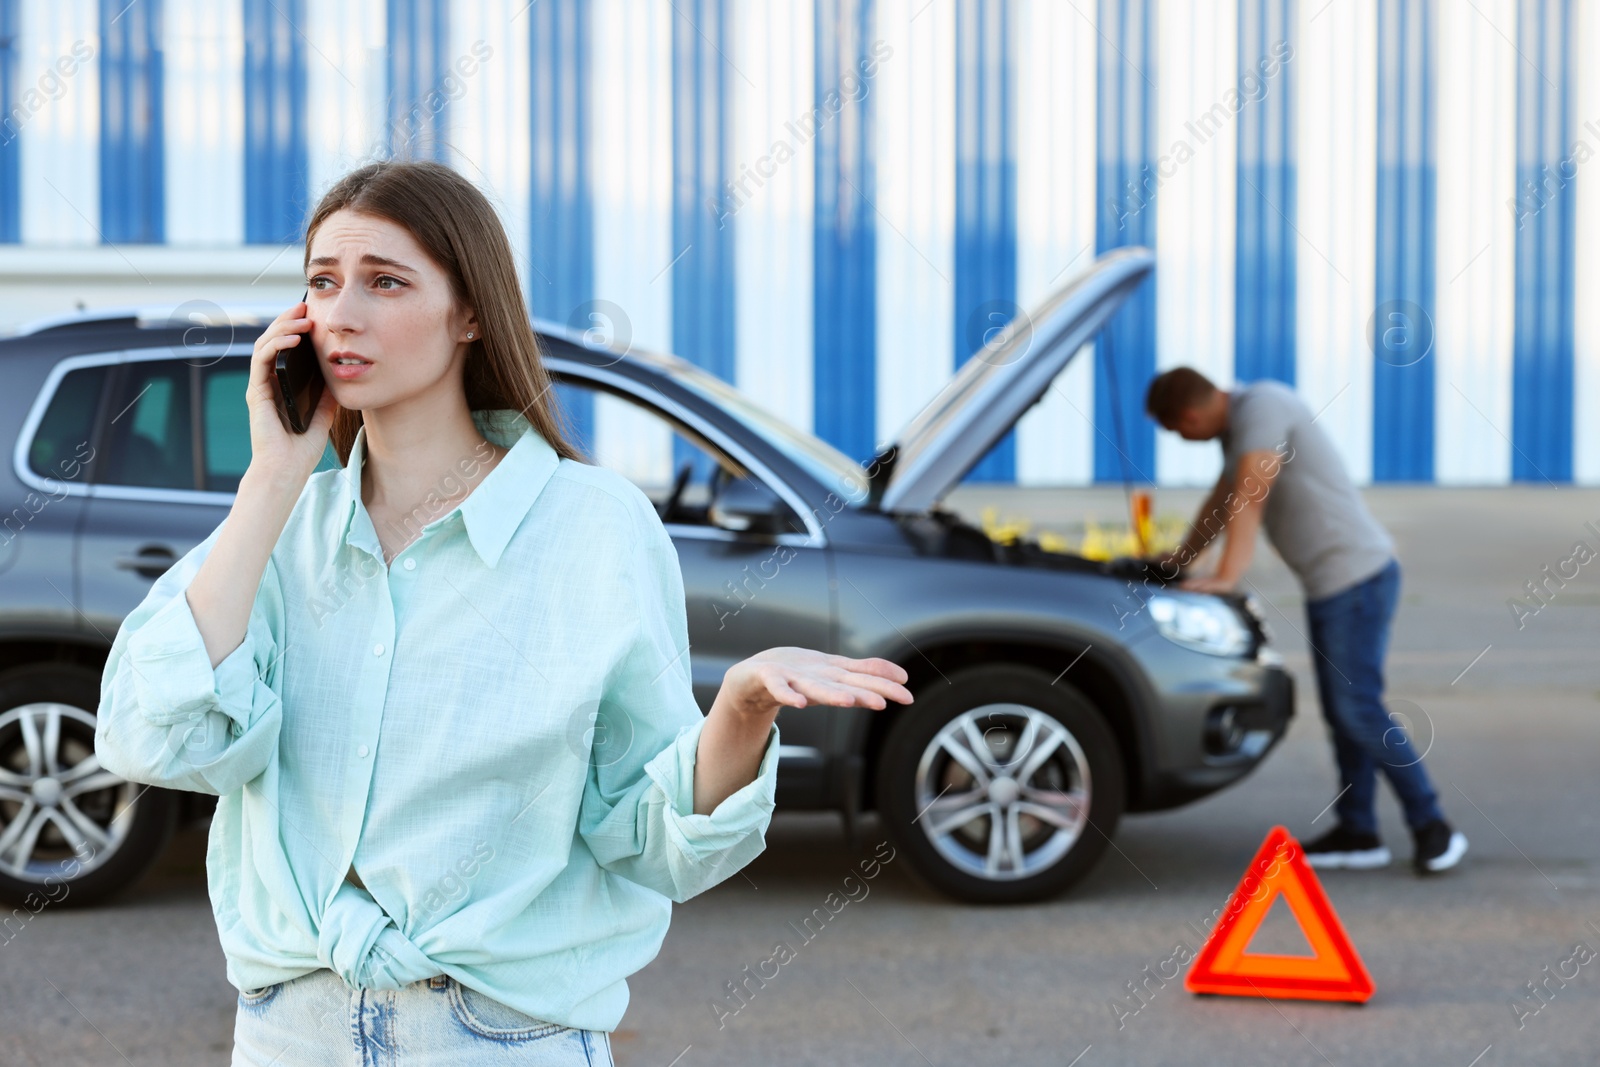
1203	623
1254	604
1255	607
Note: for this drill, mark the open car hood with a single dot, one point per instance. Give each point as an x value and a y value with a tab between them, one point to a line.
1002	380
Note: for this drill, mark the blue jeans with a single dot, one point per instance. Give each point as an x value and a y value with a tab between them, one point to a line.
318	1021
1349	635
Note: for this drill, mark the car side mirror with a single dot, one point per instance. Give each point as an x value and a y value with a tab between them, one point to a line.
747	505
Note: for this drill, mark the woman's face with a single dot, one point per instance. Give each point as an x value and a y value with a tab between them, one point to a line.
375	294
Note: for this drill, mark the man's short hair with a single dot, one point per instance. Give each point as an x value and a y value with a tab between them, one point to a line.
1176	391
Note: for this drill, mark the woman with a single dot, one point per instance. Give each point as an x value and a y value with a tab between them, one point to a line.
442	693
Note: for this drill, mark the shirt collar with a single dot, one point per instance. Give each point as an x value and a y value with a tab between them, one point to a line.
497	504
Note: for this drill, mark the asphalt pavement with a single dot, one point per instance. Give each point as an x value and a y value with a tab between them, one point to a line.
1507	703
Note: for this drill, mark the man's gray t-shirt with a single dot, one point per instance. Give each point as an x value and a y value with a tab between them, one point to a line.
1314	517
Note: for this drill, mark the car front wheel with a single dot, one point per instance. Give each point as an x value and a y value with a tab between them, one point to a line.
1001	786
71	832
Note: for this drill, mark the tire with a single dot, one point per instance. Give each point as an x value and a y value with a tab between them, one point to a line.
92	834
934	807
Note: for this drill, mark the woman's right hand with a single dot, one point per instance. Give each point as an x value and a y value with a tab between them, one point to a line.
283	456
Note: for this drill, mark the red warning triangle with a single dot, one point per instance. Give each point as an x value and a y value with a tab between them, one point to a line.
1332	972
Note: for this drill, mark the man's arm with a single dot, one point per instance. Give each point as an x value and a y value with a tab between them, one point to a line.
1239	513
1198	536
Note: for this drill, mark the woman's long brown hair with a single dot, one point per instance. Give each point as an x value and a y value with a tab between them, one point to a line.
458	228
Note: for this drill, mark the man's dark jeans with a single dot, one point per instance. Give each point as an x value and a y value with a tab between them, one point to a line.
1349	635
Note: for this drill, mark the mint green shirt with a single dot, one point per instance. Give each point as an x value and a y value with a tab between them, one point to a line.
496	732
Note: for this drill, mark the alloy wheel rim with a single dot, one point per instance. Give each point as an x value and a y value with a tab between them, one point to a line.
1003	791
61	813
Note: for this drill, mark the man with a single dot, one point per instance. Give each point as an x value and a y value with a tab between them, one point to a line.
1280	472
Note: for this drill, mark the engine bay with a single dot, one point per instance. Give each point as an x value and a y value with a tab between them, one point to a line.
945	534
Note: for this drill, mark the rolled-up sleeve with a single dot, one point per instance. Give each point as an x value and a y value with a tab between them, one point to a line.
637	815
166	716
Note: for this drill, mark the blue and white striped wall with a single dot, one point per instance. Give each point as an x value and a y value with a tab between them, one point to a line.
830	202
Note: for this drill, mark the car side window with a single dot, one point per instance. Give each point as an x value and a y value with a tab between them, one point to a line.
63	444
224	425
153	437
150	439
675	467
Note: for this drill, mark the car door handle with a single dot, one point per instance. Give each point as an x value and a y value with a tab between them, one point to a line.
151	561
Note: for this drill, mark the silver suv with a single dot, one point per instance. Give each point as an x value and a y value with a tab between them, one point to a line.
1053	692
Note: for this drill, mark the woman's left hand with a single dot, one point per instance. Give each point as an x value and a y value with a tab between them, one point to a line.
795	677
753	692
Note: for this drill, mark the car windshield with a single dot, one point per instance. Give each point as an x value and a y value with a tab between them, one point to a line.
835	470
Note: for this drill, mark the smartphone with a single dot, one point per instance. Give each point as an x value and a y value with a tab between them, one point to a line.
300	382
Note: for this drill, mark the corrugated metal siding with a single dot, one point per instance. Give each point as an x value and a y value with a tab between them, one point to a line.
1541	386
631	66
631	148
845	292
491	45
986	195
1473	295
778	150
1264	264
561	243
60	139
276	201
1336	120
1402	324
1129	198
418	104
702	268
1586	255
916	206
133	207
1056	79
1199	107
348	78
205	44
10	126
562	263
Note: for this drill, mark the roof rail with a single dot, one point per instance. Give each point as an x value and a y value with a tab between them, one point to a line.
150	317
77	318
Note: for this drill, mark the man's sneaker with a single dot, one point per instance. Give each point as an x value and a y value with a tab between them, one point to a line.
1438	847
1341	847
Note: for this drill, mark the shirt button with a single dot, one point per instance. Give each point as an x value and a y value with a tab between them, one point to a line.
362	751
377	649
410	564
